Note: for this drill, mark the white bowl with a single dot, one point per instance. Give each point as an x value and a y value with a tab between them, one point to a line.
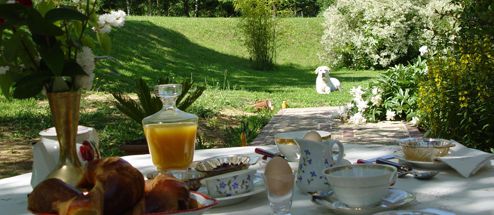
230	184
362	185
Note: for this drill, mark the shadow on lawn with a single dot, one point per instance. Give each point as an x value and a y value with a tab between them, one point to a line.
150	51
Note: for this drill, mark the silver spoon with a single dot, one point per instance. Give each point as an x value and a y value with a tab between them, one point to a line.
405	170
424	174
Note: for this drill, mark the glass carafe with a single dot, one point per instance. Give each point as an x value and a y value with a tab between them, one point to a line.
170	132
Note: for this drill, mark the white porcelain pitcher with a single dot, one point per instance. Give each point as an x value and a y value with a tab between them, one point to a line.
314	158
46	152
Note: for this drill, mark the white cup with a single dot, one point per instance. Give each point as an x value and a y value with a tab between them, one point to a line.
361	185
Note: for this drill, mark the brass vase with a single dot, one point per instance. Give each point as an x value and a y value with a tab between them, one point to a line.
64	108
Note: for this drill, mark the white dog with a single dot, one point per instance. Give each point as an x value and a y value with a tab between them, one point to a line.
324	83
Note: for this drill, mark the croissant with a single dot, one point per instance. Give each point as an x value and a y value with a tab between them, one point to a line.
166	194
114	187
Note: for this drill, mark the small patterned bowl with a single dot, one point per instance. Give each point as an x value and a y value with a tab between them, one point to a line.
424	149
223	164
230	184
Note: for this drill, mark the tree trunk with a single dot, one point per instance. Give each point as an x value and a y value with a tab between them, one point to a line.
196	9
127	2
186	8
158	6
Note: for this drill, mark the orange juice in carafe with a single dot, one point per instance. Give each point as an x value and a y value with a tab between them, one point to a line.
170	132
171	145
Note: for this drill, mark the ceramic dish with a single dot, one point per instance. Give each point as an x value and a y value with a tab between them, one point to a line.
230	184
223	164
395	198
424	149
405	212
434	165
230	200
203	200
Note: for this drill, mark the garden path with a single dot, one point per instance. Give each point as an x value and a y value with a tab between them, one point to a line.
327	119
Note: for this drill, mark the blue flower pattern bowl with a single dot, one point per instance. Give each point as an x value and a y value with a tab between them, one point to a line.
230	184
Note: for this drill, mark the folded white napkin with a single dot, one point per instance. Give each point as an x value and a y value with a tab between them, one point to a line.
466	161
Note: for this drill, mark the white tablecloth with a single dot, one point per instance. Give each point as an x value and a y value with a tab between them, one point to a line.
447	191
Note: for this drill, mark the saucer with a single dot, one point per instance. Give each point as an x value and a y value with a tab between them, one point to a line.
230	200
434	165
395	198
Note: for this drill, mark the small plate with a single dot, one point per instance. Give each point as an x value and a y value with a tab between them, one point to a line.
230	200
405	212
434	165
395	198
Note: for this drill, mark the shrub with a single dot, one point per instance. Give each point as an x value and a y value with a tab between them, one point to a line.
148	103
370	34
258	26
392	96
457	98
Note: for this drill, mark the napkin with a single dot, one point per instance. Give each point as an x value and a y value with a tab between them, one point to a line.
466	161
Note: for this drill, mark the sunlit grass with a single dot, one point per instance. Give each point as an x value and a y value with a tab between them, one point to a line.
207	49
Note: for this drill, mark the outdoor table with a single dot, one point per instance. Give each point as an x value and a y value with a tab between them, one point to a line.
447	191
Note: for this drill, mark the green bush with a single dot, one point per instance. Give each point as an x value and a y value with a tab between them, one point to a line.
457	96
378	34
258	27
392	96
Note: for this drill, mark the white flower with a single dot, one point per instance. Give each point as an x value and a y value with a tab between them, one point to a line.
390	115
10	2
4	69
375	90
357	118
415	121
376	100
85	59
362	105
357	92
108	20
423	50
118	18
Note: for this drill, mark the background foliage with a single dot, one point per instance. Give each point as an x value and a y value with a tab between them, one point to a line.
379	34
457	98
211	8
258	28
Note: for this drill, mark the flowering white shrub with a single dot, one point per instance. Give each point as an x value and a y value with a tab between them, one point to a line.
369	33
393	96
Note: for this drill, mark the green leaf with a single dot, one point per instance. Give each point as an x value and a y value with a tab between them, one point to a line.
105	41
150	104
39	25
29	86
54	57
14	12
129	107
64	14
5	85
72	68
44	6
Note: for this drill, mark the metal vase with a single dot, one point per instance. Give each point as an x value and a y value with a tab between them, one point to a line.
64	108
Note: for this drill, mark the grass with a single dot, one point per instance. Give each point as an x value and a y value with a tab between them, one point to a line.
207	49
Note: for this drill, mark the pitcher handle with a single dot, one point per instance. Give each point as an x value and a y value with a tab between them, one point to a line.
341	151
329	151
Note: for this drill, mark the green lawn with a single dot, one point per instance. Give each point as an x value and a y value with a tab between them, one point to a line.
207	49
